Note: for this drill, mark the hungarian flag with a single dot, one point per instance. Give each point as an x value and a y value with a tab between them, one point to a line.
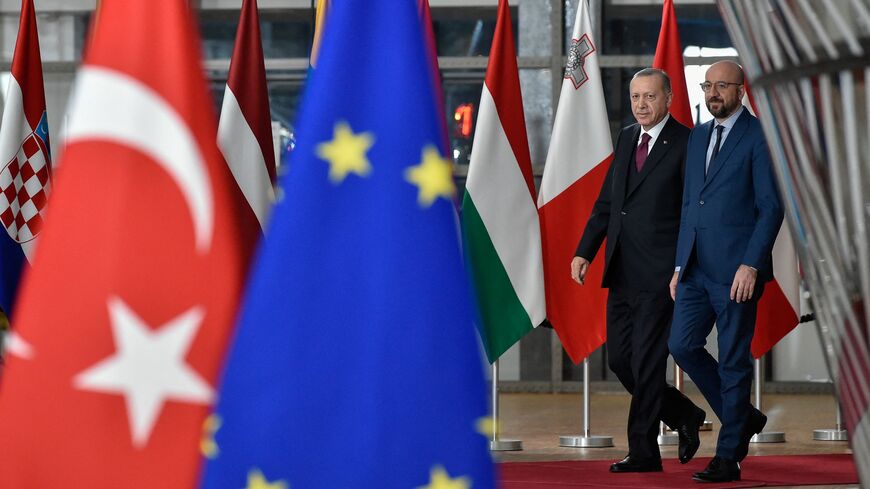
779	307
500	226
141	259
245	128
25	155
580	153
669	57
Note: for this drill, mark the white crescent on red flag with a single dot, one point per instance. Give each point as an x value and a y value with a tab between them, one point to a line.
142	259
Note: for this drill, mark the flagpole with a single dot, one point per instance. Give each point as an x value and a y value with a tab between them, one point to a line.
497	444
587	440
836	434
764	436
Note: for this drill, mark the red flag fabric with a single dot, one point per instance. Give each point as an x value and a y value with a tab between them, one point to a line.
431	48
779	307
669	57
580	154
245	128
141	259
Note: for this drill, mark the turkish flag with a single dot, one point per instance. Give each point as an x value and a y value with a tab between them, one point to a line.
669	57
135	284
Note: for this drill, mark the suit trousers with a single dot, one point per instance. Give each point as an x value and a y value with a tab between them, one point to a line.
637	331
725	384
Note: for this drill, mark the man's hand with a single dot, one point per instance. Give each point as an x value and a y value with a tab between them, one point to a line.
674	285
744	283
579	267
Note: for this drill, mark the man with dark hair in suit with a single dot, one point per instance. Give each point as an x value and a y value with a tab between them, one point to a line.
638	211
731	216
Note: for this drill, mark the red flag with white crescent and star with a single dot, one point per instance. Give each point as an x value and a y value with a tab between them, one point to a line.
141	258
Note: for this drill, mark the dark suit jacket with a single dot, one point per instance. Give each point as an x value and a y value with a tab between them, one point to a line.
642	221
732	215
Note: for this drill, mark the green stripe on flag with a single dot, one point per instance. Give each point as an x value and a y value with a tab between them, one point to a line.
504	319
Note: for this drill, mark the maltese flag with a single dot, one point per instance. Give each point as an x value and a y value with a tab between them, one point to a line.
580	154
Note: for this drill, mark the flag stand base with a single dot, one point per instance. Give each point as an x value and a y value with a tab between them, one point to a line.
768	437
831	434
505	445
578	441
668	438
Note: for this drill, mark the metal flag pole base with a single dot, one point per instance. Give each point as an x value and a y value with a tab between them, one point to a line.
764	436
768	437
586	440
497	444
831	434
505	445
577	441
666	437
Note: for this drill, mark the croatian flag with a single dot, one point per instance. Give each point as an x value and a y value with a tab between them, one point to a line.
25	158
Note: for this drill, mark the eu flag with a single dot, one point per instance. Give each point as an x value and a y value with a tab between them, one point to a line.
355	364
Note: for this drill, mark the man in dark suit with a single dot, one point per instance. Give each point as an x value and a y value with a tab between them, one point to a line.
638	211
730	219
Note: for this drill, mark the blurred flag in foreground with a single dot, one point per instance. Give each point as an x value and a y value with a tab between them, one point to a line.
355	363
141	261
500	227
25	156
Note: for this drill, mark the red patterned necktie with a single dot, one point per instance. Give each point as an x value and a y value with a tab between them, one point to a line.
642	151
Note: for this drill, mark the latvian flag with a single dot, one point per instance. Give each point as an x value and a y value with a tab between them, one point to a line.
25	158
245	128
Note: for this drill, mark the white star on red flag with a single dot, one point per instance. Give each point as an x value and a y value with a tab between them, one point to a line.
148	367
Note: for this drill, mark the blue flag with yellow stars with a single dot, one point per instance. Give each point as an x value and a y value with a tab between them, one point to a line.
356	363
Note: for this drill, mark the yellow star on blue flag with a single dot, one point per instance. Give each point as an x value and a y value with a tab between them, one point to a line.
361	266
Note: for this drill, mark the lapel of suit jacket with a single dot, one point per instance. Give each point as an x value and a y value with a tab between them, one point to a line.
624	161
658	151
734	137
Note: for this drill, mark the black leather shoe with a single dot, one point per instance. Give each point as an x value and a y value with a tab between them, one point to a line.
690	437
754	425
719	470
636	464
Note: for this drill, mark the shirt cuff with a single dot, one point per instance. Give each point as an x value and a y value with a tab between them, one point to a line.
677	269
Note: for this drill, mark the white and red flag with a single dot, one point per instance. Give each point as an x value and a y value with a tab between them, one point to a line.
142	260
245	127
779	307
25	156
580	153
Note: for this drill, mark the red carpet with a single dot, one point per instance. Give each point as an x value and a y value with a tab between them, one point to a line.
768	471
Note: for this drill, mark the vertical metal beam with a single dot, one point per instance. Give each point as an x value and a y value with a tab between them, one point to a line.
557	29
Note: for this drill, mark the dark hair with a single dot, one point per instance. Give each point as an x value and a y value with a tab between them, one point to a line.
666	80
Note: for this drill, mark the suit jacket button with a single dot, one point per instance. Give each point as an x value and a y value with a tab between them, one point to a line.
702	202
622	212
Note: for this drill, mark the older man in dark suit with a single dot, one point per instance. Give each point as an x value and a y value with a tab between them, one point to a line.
731	216
638	211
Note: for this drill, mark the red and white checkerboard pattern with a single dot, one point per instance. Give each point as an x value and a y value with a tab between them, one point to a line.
24	186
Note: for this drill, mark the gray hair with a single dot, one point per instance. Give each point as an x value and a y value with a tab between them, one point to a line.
666	80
